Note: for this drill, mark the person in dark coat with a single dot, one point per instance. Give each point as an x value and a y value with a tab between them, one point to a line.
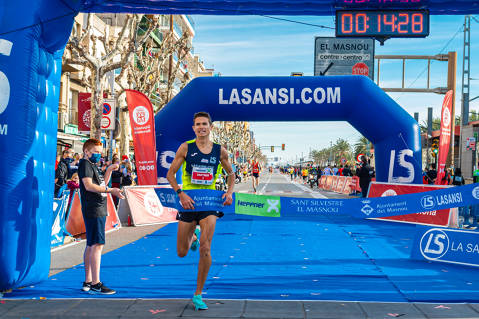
62	171
365	173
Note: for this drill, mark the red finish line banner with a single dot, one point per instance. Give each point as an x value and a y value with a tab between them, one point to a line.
443	217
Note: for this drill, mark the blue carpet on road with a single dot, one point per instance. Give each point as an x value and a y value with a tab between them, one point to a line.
326	258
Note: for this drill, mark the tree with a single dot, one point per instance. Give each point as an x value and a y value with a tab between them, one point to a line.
235	136
144	74
101	54
343	149
362	146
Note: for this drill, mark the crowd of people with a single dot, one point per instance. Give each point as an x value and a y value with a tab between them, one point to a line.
363	170
66	172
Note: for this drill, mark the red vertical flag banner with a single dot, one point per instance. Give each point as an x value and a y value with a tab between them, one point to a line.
84	111
445	136
143	132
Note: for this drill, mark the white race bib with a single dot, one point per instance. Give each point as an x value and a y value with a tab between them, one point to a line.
202	175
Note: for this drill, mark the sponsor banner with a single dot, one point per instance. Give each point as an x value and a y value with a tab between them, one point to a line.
322	181
442	198
84	112
146	208
447	121
446	245
347	186
340	184
334	182
329	181
75	224
433	217
250	204
143	132
60	206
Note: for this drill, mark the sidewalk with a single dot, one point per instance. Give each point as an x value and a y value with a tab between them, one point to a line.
181	308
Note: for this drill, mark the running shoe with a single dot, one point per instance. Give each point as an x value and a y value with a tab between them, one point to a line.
100	288
86	286
196	243
199	303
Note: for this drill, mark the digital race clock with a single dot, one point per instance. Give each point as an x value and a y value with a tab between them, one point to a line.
382	23
380	3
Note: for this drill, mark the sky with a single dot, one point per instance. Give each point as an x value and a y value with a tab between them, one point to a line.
262	46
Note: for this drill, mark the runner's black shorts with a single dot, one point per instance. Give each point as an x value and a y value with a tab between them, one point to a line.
193	216
256	175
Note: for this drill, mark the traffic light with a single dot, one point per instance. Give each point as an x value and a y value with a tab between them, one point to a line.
272	149
283	147
435	146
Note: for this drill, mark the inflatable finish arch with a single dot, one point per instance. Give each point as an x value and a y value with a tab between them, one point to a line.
33	34
355	99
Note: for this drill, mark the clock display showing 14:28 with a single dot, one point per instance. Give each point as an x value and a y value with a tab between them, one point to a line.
393	23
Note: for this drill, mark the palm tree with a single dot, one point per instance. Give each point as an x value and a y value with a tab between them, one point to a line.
362	146
342	149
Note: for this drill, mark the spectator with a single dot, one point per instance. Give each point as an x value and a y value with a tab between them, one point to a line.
93	190
340	170
327	170
457	179
431	174
446	180
475	175
347	171
72	184
74	164
335	170
62	171
365	174
127	179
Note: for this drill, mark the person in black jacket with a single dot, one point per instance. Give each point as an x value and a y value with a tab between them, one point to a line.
62	171
347	171
365	173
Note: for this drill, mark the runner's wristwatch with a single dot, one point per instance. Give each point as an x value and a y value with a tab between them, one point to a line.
179	191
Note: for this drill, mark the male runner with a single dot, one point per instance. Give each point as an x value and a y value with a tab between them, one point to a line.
255	168
200	159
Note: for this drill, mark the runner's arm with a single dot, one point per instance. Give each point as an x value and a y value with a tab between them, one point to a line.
180	157
176	164
228	168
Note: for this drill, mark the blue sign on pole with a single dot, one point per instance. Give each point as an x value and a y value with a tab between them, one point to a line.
446	245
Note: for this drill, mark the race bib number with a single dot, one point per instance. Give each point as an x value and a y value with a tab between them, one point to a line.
202	175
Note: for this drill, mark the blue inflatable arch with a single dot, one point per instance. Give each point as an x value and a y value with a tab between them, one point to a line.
355	99
33	34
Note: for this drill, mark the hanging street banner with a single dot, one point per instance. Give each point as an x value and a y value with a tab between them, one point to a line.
269	206
143	132
445	136
84	112
344	56
446	245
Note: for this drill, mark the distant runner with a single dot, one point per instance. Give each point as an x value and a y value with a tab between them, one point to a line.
255	169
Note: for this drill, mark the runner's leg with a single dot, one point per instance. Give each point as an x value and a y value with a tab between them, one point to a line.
207	231
184	237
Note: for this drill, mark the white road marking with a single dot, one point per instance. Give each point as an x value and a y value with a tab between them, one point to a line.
261	192
305	189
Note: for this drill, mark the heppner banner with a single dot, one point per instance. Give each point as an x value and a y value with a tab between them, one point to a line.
446	245
344	56
270	206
